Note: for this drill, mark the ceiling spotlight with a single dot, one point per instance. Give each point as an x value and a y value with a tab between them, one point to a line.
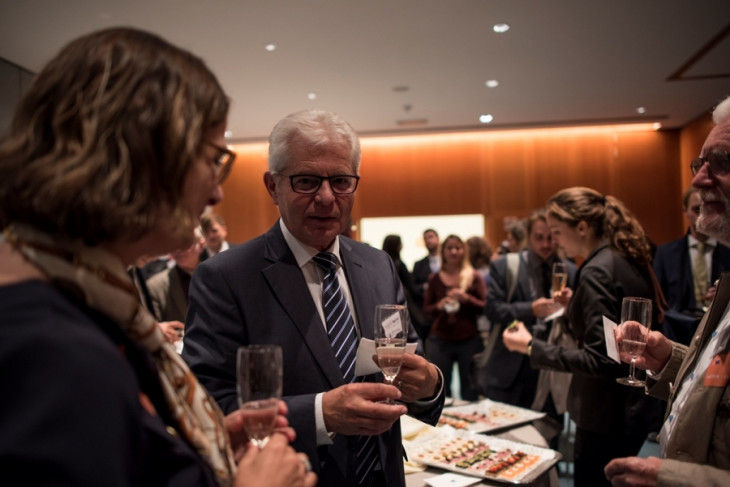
312	95
492	83
641	110
271	46
501	28
486	118
228	134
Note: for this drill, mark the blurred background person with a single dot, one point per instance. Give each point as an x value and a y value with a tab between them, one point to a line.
215	233
96	175
422	269
522	293
455	297
687	269
392	245
169	290
612	419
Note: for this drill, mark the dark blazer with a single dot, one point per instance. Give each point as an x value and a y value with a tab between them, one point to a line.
168	296
596	402
510	377
256	293
674	271
421	271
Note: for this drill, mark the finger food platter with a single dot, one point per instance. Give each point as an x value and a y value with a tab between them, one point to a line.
486	416
480	455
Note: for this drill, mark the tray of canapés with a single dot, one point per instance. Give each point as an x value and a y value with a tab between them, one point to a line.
486	415
481	455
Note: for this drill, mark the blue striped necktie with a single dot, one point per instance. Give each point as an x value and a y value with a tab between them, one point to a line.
343	339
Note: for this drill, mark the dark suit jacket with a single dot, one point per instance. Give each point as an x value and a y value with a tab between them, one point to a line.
674	271
509	372
256	293
596	402
167	295
421	271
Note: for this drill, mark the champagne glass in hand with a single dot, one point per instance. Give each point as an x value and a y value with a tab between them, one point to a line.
560	277
391	333
635	324
259	374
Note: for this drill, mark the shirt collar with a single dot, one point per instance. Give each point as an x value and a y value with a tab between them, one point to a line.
304	253
710	243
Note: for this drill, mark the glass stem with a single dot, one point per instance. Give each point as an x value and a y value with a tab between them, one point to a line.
632	369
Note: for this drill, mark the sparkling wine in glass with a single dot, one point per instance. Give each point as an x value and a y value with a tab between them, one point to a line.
259	385
635	324
560	277
391	334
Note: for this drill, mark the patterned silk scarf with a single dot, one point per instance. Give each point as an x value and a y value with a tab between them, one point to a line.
106	287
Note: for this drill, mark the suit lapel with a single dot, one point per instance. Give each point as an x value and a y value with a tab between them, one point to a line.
290	288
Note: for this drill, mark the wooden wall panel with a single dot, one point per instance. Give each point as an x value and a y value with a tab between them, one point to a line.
490	173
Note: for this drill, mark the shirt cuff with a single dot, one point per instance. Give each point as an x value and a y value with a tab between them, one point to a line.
432	400
323	437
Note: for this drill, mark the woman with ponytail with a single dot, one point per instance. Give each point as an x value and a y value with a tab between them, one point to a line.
612	420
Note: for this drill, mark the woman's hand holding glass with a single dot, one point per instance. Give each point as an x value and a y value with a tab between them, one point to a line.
240	441
259	382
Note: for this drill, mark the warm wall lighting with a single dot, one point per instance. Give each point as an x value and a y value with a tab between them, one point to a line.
515	134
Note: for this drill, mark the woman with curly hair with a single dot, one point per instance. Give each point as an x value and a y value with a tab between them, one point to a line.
612	420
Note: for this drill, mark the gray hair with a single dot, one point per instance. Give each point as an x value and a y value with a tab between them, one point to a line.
318	129
721	114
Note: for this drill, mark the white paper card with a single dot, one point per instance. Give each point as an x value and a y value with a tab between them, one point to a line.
364	364
611	344
392	326
560	312
452	480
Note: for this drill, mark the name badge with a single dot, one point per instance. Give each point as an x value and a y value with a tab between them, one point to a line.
718	372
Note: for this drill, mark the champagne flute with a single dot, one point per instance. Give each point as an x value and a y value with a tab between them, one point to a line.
560	277
259	387
635	324
391	333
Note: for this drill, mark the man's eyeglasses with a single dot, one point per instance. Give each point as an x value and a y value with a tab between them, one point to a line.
719	163
310	183
223	162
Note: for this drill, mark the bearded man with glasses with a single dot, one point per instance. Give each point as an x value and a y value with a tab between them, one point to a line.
695	438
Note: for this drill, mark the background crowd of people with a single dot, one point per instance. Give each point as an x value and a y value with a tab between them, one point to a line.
94	393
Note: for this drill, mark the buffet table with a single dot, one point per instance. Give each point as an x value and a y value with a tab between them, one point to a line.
524	434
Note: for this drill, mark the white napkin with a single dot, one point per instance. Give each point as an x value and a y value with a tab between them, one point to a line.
364	364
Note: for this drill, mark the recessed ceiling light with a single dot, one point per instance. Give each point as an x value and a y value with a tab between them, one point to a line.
492	83
501	28
228	134
312	95
271	46
486	118
641	110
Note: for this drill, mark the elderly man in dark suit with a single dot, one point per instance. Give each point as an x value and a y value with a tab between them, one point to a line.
687	269
279	289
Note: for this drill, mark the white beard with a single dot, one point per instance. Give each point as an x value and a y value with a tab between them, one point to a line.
719	224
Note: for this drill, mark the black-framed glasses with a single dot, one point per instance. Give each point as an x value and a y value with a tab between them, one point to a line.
310	183
223	162
719	163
